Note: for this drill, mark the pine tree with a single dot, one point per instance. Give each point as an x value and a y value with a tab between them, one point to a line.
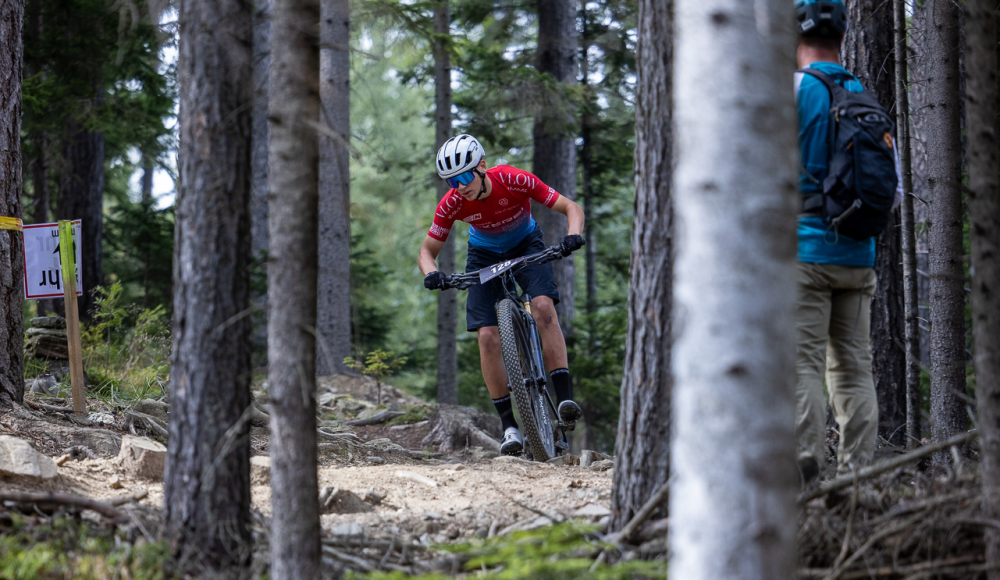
258	196
333	315
868	53
733	468
11	257
447	316
207	483
293	205
642	447
984	228
554	158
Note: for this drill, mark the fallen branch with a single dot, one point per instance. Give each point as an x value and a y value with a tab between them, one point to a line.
106	510
661	495
871	471
380	417
905	571
129	497
46	407
151	422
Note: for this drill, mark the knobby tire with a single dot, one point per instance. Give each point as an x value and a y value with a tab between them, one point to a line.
517	359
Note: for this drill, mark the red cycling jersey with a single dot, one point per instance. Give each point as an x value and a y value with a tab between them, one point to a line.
501	220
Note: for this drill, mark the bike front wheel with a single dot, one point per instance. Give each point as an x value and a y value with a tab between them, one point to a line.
515	342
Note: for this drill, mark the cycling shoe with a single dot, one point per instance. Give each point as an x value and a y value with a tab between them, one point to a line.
569	412
512	443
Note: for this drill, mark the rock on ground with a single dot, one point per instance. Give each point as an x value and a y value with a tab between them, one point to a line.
362	387
334	500
260	470
19	458
153	408
142	458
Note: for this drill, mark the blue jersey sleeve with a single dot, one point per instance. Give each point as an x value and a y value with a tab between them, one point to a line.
813	101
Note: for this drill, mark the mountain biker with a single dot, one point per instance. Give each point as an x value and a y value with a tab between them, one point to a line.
836	272
496	203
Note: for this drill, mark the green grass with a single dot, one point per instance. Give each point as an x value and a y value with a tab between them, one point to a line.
70	548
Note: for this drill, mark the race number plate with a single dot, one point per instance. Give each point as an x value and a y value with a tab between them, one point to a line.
495	270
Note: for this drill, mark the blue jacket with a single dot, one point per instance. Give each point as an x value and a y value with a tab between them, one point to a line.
816	245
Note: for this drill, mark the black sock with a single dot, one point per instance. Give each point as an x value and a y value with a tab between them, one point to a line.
561	384
506	412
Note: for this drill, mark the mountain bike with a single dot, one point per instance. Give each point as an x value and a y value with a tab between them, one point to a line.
522	354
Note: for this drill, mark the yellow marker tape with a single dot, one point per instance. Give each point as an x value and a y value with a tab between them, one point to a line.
66	253
7	223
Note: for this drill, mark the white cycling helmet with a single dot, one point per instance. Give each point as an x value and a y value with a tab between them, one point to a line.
459	154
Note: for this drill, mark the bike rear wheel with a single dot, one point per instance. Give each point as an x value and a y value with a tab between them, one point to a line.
515	342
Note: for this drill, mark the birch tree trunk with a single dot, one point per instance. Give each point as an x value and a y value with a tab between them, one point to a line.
944	181
293	205
333	314
258	195
554	158
81	196
908	240
867	52
984	229
447	316
11	250
732	500
642	449
207	480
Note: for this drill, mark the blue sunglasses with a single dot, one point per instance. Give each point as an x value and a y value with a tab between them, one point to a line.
461	179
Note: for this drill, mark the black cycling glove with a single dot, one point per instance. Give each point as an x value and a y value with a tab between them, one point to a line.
571	243
434	280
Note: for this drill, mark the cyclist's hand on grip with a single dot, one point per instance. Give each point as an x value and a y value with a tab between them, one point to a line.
434	280
571	243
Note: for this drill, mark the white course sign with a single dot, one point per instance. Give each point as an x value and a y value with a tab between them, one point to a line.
42	270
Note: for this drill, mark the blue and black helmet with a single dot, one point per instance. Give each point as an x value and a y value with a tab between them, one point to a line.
820	17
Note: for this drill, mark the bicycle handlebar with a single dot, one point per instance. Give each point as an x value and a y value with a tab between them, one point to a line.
468	279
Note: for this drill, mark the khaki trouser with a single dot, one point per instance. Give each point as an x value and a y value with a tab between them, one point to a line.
832	323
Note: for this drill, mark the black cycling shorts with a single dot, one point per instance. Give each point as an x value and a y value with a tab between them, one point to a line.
536	280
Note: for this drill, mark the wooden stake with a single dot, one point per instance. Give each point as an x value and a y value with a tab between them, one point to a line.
67	257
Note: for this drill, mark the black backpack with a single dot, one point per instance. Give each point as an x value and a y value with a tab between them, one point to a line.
859	189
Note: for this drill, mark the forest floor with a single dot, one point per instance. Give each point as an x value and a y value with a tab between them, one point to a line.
379	483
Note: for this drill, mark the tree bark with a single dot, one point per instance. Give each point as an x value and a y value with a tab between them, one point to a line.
944	180
587	123
868	53
642	449
984	229
293	206
908	240
333	315
554	158
207	480
81	196
447	315
258	160
734	478
11	250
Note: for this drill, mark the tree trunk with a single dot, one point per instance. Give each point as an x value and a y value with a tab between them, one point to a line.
207	481
11	250
81	196
867	52
554	158
258	195
984	229
333	314
292	267
944	180
908	241
917	66
732	500
447	315
642	448
587	123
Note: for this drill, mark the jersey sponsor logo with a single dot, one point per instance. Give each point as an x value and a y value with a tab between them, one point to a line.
520	179
439	231
472	218
504	201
